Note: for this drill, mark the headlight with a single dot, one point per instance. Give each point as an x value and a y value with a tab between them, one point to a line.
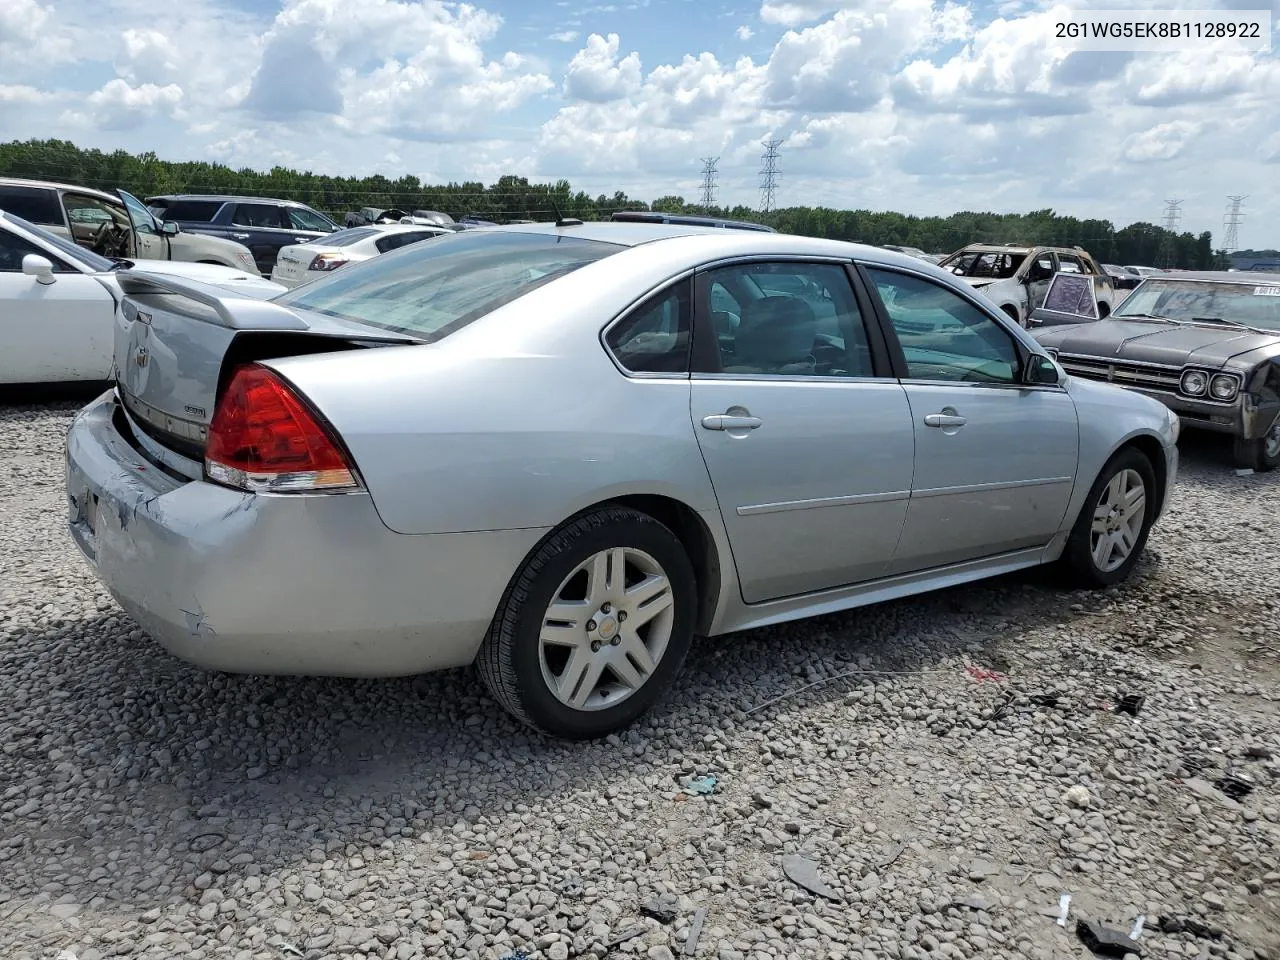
1224	386
1194	383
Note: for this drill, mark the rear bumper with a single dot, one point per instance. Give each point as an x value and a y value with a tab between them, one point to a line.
313	585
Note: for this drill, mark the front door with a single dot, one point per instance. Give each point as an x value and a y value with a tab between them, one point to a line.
51	332
995	460
1039	274
805	434
151	244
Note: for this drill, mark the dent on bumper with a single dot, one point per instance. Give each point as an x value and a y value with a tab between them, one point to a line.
313	585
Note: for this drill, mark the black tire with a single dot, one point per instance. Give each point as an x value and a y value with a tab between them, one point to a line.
509	662
1077	558
1253	455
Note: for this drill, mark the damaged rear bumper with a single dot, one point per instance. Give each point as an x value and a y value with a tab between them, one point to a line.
301	585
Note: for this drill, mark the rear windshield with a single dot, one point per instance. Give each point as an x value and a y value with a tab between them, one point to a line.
1254	304
340	238
429	290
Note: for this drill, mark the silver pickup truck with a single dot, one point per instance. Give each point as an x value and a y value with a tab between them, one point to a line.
116	225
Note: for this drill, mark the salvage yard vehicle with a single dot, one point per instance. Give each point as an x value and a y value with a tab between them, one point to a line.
262	224
1015	278
58	300
687	219
304	262
539	449
114	225
1207	345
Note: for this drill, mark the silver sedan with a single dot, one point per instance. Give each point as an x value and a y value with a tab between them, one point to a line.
561	451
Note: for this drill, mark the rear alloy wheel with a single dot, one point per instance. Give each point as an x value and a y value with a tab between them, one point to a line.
1111	531
595	626
1262	454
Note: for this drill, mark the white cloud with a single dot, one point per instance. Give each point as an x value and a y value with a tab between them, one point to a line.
148	57
597	75
745	32
792	13
30	34
120	106
564	36
1162	142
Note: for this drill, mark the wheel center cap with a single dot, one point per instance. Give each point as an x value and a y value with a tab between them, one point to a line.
607	627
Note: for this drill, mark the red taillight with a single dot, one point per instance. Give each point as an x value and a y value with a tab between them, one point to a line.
326	262
263	438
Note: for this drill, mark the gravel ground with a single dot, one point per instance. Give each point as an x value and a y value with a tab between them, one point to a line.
152	810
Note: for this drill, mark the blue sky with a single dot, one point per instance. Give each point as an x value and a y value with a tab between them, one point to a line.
924	106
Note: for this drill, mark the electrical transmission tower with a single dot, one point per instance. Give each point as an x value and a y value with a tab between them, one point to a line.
769	174
710	170
1231	224
1172	215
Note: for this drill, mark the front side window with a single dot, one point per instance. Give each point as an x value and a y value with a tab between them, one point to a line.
13	248
429	290
787	319
300	218
655	337
943	336
257	215
91	212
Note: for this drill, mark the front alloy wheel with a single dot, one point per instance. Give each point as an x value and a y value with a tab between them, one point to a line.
1112	529
594	627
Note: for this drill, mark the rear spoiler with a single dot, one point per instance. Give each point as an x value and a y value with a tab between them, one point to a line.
233	310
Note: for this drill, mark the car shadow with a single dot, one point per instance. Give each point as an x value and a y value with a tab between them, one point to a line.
236	774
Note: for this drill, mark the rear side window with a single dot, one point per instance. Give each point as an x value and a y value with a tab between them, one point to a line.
654	337
395	241
429	290
197	211
33	204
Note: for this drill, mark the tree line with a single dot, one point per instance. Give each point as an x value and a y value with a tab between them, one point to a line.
515	198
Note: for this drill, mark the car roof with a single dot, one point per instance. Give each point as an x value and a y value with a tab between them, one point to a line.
1222	276
220	198
731	242
54	185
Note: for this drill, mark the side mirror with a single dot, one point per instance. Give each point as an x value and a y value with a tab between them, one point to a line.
168	228
39	267
1041	371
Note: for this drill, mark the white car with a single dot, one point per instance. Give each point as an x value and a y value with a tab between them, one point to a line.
303	262
58	303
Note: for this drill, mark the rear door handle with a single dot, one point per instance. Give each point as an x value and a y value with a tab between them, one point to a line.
240	236
944	420
726	421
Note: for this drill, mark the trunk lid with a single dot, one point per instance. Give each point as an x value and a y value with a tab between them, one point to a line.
292	262
177	339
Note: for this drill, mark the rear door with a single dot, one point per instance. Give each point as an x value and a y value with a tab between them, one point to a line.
262	228
805	433
995	460
55	332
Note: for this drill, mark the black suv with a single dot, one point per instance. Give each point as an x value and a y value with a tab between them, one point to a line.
262	224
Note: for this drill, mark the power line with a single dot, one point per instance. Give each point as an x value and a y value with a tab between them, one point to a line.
710	169
1231	224
769	174
1172	215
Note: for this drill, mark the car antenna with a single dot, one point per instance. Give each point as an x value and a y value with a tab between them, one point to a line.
561	219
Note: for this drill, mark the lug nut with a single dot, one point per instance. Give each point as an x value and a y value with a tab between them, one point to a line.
591	625
615	641
605	608
595	646
622	616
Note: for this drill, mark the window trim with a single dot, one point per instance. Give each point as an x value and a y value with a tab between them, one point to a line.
705	357
685	276
996	316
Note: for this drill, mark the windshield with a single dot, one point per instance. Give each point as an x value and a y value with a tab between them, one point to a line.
1257	305
74	251
431	289
998	266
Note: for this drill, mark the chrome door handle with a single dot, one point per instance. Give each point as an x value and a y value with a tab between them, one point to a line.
725	421
240	236
944	420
